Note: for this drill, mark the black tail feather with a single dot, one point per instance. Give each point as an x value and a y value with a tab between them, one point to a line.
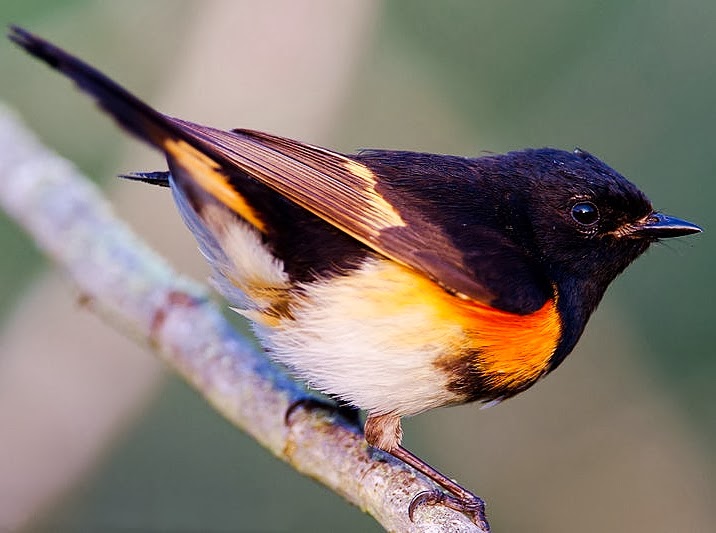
159	177
128	110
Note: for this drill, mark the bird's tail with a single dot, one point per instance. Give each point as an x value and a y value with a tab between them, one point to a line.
158	177
195	159
129	111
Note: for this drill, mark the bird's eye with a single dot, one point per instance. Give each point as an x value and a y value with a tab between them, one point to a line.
585	213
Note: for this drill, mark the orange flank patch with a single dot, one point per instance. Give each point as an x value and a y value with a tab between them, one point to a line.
393	342
207	174
509	351
480	347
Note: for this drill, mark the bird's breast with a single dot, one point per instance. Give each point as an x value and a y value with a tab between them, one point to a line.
389	340
504	353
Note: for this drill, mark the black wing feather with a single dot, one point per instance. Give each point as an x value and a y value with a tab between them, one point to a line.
362	199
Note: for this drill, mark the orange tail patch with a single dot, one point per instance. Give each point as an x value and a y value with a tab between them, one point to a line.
208	175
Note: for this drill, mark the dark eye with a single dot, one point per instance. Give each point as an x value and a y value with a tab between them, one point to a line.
586	213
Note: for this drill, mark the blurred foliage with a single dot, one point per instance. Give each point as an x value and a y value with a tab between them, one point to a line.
61	118
207	479
633	82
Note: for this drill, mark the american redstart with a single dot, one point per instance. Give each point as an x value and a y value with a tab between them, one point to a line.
395	281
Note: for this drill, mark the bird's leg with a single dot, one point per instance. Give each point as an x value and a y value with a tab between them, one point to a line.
457	497
384	432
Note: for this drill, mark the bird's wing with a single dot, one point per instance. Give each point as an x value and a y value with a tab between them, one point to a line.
341	190
347	193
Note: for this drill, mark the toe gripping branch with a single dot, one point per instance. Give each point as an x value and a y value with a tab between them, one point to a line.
456	497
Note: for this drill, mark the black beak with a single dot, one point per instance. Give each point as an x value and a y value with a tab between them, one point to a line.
658	226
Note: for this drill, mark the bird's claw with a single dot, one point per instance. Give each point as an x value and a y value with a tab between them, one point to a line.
471	505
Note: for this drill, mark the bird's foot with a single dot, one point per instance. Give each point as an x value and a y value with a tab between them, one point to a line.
467	503
310	403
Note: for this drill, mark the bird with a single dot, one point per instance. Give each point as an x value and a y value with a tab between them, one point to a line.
394	281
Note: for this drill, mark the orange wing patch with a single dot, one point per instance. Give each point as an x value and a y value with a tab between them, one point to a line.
385	215
207	174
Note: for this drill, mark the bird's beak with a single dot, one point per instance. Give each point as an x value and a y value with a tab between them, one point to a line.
659	226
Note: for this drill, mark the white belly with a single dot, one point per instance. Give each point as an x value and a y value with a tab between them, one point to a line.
367	339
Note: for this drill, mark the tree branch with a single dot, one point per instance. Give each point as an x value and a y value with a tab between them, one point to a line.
124	281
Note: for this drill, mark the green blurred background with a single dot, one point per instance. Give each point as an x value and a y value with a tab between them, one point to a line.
622	437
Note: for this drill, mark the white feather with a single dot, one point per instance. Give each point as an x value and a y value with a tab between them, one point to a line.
341	335
243	270
343	340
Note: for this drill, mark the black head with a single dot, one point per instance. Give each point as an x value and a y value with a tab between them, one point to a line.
587	220
585	224
526	221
